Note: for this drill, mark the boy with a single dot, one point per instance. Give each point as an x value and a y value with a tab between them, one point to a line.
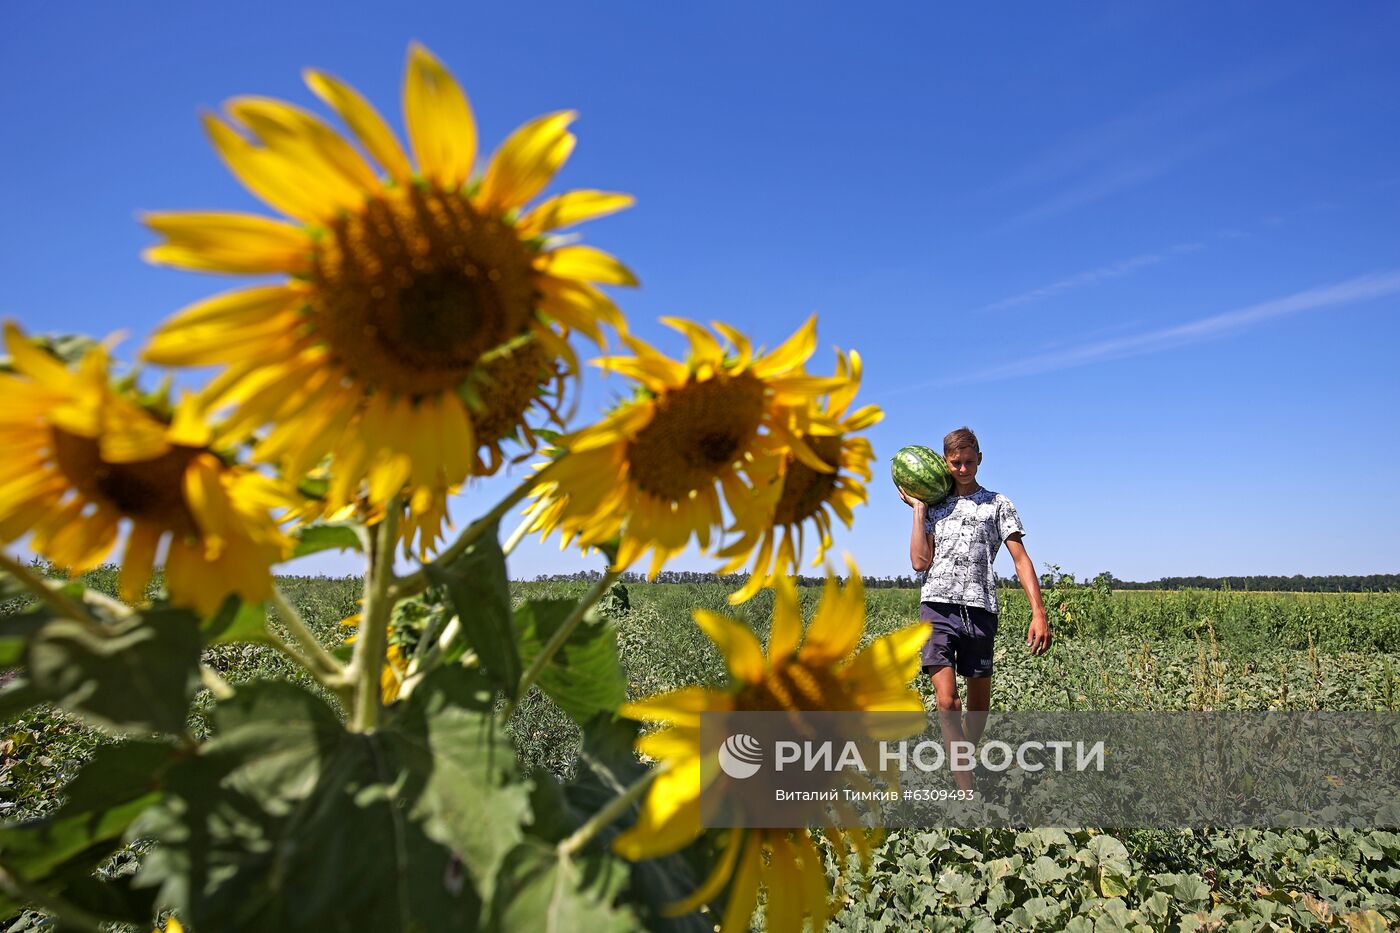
956	541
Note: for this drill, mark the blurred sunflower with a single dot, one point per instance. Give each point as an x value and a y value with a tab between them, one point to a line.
398	288
652	472
391	676
811	673
805	493
84	459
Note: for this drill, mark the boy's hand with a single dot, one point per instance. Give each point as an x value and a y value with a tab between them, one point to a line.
1038	637
910	500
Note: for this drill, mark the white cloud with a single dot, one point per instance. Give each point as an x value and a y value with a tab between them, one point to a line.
1352	291
1093	276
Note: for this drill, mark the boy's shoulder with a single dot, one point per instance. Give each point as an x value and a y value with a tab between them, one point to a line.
979	499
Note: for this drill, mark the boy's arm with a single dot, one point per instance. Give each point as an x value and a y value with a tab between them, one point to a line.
920	542
1038	636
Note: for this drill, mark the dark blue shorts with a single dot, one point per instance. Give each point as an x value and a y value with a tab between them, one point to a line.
961	638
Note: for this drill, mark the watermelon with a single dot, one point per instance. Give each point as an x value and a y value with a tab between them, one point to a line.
921	473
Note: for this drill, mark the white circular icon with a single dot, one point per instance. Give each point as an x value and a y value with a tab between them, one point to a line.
740	756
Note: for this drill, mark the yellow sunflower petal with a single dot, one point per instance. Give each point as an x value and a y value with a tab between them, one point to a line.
888	660
138	561
682	707
364	121
269	176
736	641
586	264
572	207
306	138
719	876
39	365
129	434
836	628
784	883
234	243
704	348
787	619
792	352
743	896
205	332
526	161
441	127
816	891
669	817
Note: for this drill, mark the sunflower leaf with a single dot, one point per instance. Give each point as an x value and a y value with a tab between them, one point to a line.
139	677
473	799
538	889
477	585
324	536
607	766
584	677
237	621
288	821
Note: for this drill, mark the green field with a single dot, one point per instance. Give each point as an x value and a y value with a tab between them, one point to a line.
1141	650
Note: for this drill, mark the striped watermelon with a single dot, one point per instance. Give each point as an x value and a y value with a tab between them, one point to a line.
921	473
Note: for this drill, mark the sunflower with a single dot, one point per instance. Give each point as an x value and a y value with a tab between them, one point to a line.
391	676
653	471
84	459
815	673
513	381
805	493
400	283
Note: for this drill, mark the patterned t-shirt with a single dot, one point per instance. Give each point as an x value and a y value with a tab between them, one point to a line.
967	533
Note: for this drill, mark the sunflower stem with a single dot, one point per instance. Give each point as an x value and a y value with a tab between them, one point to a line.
48	593
324	664
517	535
373	643
417	582
561	635
425	656
614	809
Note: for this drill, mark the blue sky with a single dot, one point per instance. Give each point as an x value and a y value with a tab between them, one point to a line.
1149	252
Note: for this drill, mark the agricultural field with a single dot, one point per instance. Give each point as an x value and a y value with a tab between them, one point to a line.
1125	651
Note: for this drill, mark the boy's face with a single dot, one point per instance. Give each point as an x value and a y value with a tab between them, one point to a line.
963	462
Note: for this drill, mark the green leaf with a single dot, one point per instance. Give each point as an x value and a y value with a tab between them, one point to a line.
237	621
1110	853
1191	889
539	890
15	631
100	803
139	676
473	799
608	766
1112	883
585	676
310	829
480	592
272	738
324	536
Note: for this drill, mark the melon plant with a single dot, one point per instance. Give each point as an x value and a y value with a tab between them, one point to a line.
922	473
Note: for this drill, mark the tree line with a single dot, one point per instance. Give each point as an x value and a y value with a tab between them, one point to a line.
1298	583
